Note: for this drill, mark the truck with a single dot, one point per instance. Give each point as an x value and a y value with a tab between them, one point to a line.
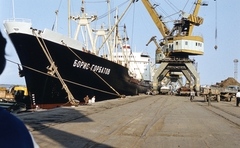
220	93
5	94
164	90
12	98
183	91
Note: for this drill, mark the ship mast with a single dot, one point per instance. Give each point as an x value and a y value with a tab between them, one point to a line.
109	25
13	9
112	29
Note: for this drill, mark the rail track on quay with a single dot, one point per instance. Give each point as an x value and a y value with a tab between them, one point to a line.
138	121
224	112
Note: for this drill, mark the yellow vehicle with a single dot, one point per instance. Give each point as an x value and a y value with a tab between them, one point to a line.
14	98
20	88
4	94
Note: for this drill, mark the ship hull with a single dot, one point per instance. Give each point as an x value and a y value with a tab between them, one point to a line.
84	74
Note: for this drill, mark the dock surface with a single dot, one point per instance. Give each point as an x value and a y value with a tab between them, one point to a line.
138	121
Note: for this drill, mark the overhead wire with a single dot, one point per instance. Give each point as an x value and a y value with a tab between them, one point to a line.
186	6
56	12
131	53
112	10
172	5
159	8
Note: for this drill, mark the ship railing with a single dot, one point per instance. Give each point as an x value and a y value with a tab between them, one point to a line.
18	20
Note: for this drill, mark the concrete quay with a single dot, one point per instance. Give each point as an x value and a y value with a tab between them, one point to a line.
138	121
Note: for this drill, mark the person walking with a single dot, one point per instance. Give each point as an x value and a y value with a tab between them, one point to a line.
192	94
86	99
209	94
209	97
238	97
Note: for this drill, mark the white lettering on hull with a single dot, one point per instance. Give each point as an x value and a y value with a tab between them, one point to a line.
92	67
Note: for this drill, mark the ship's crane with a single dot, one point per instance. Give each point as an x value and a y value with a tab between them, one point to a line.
177	44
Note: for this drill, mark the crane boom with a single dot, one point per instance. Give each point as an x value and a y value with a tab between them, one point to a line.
156	18
193	18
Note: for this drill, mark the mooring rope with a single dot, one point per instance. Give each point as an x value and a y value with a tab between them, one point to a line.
92	70
71	99
44	73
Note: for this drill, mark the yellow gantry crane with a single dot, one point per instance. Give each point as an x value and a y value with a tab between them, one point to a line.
177	45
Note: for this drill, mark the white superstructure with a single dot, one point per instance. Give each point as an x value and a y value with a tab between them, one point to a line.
139	64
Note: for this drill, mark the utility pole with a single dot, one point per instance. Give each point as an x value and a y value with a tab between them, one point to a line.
235	69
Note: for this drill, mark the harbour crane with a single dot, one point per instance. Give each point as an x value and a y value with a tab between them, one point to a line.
177	45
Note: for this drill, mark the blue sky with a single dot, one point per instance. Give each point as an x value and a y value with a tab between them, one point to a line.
214	66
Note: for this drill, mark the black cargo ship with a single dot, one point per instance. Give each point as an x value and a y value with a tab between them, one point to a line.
59	71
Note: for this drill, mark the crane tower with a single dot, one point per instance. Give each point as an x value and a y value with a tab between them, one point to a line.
177	45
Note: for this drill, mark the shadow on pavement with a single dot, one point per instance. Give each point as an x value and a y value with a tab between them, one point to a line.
44	121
